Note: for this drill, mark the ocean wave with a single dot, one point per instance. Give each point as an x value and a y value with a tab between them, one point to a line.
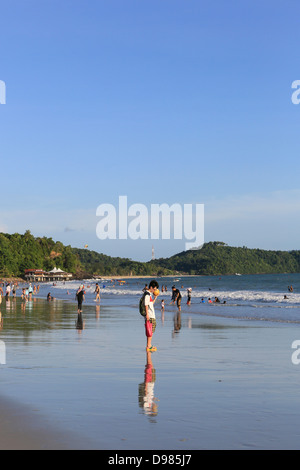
256	298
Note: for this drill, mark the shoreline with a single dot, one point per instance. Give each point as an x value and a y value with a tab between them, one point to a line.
116	277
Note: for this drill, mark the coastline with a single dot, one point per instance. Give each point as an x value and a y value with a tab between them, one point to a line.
116	277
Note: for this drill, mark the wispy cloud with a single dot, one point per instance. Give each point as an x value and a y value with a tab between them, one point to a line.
47	221
252	206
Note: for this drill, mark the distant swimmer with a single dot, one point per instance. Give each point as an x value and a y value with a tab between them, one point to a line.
290	288
49	296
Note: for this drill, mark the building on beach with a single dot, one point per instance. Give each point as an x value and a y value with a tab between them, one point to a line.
38	275
34	275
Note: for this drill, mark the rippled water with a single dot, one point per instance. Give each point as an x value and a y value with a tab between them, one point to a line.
257	297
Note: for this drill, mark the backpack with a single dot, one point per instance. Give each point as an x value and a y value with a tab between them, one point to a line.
142	307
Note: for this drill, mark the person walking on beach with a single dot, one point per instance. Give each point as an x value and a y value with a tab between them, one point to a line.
97	292
149	300
80	297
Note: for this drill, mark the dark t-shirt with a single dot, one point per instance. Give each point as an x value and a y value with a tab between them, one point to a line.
175	293
80	295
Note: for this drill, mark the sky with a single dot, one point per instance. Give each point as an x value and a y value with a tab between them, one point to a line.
161	101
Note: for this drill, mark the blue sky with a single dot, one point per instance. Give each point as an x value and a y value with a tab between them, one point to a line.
162	101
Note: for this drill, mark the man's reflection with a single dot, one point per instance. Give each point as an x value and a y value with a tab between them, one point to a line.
177	323
79	322
97	312
147	400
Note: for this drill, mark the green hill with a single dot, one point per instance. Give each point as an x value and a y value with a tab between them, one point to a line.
20	252
216	258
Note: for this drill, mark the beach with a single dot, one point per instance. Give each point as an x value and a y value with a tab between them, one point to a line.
215	382
23	429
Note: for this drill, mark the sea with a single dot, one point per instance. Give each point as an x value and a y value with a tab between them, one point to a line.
222	376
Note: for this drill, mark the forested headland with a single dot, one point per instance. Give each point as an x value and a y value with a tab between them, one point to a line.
24	251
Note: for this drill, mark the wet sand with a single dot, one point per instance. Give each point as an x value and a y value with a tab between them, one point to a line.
213	383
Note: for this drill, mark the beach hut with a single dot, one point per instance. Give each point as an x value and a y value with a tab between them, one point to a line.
57	275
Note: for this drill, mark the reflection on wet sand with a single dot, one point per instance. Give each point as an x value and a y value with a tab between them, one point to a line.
97	312
80	323
177	323
147	400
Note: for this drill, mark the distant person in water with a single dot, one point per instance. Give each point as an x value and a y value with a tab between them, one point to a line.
290	288
97	292
79	322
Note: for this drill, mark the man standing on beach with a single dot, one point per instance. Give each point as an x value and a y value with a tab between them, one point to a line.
150	297
176	297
